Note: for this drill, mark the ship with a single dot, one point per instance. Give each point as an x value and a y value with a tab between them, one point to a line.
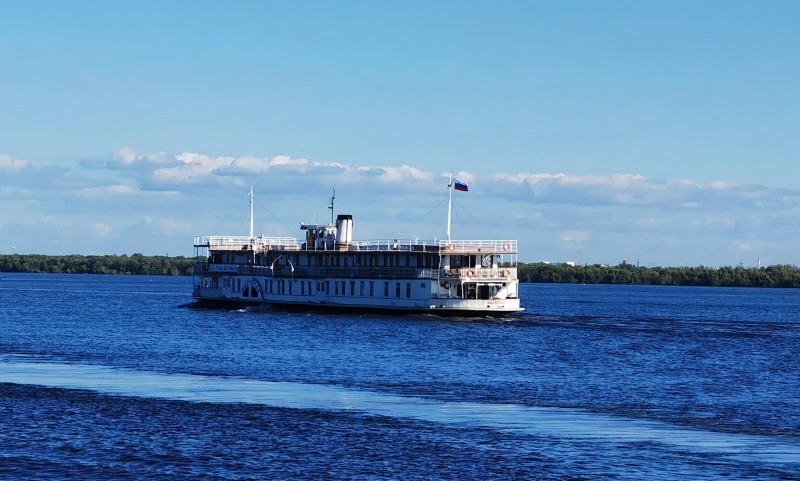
327	269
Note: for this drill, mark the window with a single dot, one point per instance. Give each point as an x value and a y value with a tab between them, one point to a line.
396	289
371	288
408	290
352	288
385	289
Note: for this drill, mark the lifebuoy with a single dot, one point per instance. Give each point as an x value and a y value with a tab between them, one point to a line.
506	246
470	273
506	272
446	285
451	247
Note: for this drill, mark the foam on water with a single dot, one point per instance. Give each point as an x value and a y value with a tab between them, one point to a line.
525	420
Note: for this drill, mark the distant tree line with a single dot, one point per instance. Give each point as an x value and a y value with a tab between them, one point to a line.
137	264
107	264
772	276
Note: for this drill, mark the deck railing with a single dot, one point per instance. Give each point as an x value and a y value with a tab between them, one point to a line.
238	242
291	243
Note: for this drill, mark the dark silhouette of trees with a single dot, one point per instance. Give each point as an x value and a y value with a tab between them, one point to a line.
109	264
783	275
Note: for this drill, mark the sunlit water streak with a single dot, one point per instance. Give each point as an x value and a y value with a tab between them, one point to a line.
564	423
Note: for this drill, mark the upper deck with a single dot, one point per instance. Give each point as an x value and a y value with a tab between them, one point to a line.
261	243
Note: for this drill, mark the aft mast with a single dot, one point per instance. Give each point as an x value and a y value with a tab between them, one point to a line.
449	204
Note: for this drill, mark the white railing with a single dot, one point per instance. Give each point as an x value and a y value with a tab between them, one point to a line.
456	246
499	246
482	273
394	244
260	242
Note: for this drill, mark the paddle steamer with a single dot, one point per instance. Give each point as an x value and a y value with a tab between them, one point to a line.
328	269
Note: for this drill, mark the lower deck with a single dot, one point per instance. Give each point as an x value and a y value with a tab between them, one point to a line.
374	294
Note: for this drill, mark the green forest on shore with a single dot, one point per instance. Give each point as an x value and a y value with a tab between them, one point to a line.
137	264
771	276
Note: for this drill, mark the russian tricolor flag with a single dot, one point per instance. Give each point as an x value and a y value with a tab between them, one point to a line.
462	186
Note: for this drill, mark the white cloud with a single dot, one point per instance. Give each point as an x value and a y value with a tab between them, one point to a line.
128	158
172	197
404	173
12	164
101	229
169	227
574	236
161	171
637	190
105	191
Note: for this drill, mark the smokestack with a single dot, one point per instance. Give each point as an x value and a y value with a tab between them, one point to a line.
344	230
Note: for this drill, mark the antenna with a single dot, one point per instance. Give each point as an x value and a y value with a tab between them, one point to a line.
333	197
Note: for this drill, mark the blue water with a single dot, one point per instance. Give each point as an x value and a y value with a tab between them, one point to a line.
107	377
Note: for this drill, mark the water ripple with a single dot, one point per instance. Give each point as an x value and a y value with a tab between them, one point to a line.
574	424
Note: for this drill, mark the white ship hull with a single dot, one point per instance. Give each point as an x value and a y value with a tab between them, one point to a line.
329	270
404	295
454	277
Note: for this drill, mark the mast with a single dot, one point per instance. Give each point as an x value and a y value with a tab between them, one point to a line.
449	204
331	206
251	212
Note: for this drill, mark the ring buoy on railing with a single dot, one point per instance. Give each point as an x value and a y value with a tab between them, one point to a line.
506	272
446	285
470	273
506	246
451	247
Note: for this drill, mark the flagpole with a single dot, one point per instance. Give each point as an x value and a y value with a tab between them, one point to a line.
449	204
251	212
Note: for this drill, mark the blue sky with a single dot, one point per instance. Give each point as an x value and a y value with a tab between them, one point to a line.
665	133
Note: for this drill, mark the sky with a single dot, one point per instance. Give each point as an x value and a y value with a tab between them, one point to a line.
663	133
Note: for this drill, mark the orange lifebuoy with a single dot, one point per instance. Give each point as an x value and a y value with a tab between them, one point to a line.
506	272
506	246
451	247
470	273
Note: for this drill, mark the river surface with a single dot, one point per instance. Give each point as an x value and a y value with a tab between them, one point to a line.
108	377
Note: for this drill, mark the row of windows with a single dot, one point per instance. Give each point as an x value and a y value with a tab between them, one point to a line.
336	288
330	260
356	260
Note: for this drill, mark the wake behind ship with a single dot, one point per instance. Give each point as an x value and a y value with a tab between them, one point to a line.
328	269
